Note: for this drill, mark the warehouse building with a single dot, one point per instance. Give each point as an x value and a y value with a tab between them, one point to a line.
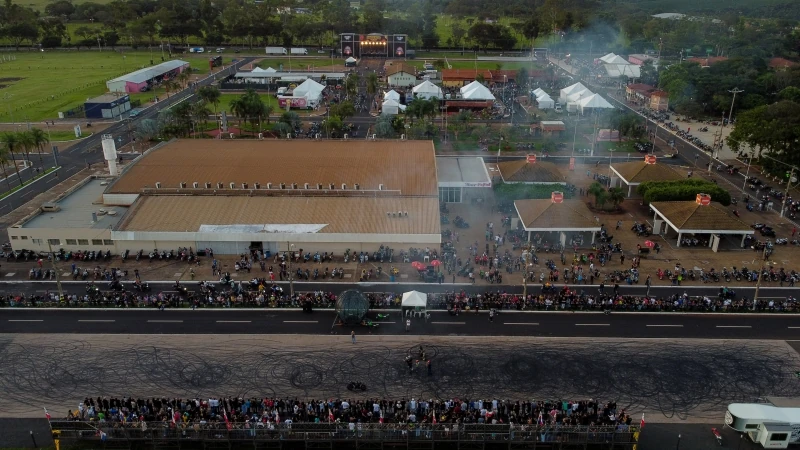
107	106
232	196
142	79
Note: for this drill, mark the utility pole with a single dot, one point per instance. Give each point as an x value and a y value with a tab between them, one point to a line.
786	194
58	276
291	275
760	271
526	254
733	91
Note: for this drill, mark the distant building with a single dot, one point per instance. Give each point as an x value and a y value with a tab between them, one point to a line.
399	74
659	100
781	63
107	106
641	58
355	5
461	77
709	61
142	79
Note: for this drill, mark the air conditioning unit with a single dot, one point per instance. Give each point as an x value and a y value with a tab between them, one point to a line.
195	185
331	186
257	185
356	186
158	185
183	185
283	185
319	186
305	185
233	185
220	186
294	185
269	185
344	186
208	185
244	185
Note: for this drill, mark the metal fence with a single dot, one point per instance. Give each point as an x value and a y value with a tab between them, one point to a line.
477	435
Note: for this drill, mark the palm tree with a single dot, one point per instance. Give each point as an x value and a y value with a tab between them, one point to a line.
12	143
238	108
209	94
372	86
40	139
200	113
616	196
27	143
599	193
351	84
170	86
3	162
183	79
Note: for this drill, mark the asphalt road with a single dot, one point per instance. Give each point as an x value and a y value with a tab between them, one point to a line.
76	157
273	321
79	287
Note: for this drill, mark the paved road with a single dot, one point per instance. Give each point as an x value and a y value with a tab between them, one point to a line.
75	158
79	287
272	321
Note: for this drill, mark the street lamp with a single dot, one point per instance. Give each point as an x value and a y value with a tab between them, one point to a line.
526	254
58	276
499	147
291	277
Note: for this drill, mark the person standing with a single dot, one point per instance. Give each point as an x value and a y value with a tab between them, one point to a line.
408	325
353	336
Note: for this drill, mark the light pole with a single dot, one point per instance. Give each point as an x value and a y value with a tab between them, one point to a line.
291	277
526	254
499	147
786	194
760	271
58	276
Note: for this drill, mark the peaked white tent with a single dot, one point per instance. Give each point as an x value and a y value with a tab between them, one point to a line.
594	101
260	70
391	107
415	301
427	90
618	70
577	87
538	92
545	102
391	95
476	91
308	88
350	60
608	57
576	96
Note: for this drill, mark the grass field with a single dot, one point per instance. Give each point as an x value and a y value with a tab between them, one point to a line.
36	86
226	99
298	63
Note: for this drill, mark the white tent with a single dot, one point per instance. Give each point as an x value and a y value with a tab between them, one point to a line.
476	91
576	96
390	106
608	58
545	102
308	88
538	92
617	60
595	101
414	300
391	95
427	90
350	60
577	87
618	70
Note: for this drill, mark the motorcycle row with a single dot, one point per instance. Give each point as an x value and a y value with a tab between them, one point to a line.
743	274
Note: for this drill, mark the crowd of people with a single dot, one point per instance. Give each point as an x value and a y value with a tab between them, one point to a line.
269	412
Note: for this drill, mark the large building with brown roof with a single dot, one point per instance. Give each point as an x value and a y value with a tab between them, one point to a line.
234	195
634	173
700	219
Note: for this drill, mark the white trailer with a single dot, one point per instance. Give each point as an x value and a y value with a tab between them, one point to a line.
299	51
770	425
276	51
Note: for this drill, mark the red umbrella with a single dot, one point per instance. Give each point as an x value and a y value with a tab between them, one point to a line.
418	265
649	244
436	263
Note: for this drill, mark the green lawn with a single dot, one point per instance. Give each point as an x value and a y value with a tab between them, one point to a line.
295	63
66	135
39	85
225	102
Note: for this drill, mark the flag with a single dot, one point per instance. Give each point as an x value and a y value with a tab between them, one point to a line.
47	414
641	425
225	416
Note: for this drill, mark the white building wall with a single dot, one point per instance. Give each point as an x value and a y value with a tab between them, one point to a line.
401	79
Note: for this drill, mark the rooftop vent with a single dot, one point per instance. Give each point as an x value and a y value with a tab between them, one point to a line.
233	185
380	187
182	185
244	185
220	186
158	185
112	213
703	199
356	186
305	185
331	186
269	185
344	186
257	185
283	185
195	184
208	185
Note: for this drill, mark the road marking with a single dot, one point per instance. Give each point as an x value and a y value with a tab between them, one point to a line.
96	320
301	321
384	322
592	324
676	326
234	321
165	321
794	328
520	323
26	320
734	326
449	323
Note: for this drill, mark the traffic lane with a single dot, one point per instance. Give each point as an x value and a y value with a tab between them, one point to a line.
505	323
663	291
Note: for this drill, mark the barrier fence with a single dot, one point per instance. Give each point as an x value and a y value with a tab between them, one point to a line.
310	435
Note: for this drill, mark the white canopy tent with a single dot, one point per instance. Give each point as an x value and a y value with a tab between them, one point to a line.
608	57
350	60
392	107
308	88
618	70
538	92
427	90
391	95
577	87
595	101
476	91
576	96
414	301
545	102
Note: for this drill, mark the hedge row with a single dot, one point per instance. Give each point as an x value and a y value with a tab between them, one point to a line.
681	190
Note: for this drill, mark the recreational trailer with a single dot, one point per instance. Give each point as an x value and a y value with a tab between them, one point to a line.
770	425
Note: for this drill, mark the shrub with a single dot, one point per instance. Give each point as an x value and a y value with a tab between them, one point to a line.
682	190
